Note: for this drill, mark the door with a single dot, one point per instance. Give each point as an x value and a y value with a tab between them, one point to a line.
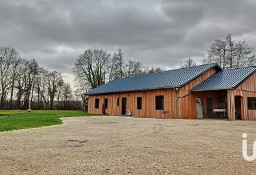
105	106
124	101
199	108
238	107
209	106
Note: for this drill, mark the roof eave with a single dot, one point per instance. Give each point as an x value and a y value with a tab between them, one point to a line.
117	92
212	89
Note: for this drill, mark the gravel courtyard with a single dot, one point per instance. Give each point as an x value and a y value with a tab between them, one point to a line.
125	145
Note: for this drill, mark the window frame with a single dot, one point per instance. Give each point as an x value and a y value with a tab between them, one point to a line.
97	103
159	102
251	100
139	103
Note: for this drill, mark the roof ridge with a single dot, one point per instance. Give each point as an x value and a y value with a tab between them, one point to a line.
191	67
234	68
168	71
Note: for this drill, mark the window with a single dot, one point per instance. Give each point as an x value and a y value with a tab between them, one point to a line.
159	102
106	103
117	101
251	103
139	102
97	103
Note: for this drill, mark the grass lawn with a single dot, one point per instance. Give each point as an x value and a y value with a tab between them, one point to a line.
13	120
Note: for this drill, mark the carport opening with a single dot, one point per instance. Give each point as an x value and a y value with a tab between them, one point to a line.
216	105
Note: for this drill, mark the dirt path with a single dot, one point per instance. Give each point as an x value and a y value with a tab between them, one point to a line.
120	145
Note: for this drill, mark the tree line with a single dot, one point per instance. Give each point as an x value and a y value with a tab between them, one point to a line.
95	67
24	84
228	53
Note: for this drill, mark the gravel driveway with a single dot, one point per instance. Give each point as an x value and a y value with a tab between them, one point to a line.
124	145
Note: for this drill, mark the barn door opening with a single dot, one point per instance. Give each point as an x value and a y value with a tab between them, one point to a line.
124	102
238	107
209	107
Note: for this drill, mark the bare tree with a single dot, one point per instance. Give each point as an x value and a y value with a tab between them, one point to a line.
154	70
243	55
40	87
117	67
66	94
8	57
32	72
23	81
14	78
229	53
54	81
95	67
134	68
44	90
92	67
217	53
188	63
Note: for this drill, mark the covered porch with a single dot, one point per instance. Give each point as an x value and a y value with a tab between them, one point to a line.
220	104
231	92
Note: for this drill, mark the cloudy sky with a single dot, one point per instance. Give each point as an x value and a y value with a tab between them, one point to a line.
155	32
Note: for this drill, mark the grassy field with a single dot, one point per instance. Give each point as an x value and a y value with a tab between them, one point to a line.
13	120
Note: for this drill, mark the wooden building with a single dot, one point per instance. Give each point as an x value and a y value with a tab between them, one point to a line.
204	91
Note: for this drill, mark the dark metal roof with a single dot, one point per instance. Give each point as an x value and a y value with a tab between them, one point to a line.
165	79
225	79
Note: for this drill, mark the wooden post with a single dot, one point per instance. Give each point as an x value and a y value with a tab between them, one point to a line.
231	105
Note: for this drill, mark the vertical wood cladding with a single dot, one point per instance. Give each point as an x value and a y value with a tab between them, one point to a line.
244	90
148	103
186	102
185	106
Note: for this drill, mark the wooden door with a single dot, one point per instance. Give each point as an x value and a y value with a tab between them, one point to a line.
124	102
238	107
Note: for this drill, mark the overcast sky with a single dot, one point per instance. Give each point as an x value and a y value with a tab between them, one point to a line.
155	32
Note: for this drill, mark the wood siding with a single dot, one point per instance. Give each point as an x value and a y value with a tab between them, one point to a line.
187	103
245	90
148	103
184	107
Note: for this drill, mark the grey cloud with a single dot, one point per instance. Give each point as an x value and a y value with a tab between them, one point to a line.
154	32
